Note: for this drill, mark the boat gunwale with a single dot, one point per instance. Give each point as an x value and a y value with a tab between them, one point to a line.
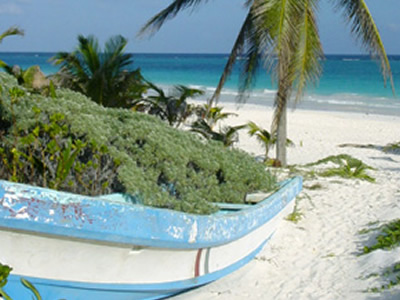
153	227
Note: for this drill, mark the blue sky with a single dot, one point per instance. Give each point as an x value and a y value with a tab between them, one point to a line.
53	25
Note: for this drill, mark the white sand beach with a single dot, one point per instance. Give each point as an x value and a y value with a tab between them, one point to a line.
318	258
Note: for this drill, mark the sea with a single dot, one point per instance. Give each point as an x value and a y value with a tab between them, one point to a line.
349	83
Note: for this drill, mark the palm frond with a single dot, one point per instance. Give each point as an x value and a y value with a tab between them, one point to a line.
69	63
237	49
251	61
365	30
155	23
255	43
89	49
11	31
183	92
114	55
286	30
248	3
309	49
157	89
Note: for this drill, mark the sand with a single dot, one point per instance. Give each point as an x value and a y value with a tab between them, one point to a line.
318	258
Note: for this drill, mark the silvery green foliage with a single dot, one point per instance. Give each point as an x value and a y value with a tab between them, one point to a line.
159	165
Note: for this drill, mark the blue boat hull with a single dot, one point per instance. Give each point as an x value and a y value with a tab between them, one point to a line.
74	247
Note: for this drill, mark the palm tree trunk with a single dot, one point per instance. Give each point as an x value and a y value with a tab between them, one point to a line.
282	137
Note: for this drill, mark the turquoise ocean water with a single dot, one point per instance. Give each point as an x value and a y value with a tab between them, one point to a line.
348	83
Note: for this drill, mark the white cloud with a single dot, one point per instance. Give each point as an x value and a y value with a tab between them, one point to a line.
10	9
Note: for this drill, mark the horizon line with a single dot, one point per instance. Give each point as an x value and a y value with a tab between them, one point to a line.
192	53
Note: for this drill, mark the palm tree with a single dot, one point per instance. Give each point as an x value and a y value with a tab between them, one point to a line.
9	32
172	108
228	135
212	115
283	35
104	76
207	119
264	137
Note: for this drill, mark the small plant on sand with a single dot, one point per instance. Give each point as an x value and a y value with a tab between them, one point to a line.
390	276
296	215
347	167
315	186
265	138
393	148
306	173
388	237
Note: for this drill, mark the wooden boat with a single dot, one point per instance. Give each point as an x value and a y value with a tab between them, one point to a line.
77	247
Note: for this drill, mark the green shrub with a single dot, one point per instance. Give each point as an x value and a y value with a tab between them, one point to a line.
159	165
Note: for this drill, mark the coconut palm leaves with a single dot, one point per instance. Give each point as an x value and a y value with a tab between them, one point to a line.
172	108
104	76
228	135
264	137
364	29
283	36
212	114
208	117
171	11
9	32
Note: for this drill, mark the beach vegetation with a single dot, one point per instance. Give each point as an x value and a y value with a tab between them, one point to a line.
207	119
342	165
390	276
346	167
388	237
172	108
295	216
228	135
348	171
265	138
329	255
9	32
33	79
103	75
393	148
306	173
367	146
71	143
4	273
284	37
313	187
211	114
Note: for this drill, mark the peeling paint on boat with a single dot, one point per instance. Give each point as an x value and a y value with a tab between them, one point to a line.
173	251
193	233
175	232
